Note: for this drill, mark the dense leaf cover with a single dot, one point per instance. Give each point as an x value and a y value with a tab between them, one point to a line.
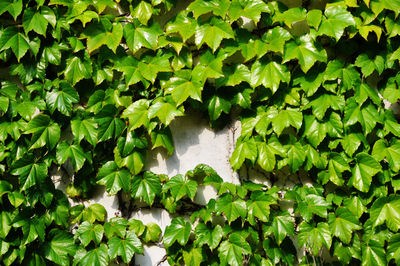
308	83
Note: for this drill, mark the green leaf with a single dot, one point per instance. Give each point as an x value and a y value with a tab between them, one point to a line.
334	22
179	231
266	157
141	36
62	99
103	33
165	110
115	226
296	157
245	149
34	20
201	7
368	65
286	118
143	12
305	51
76	70
258	207
205	234
270	74
73	152
366	167
314	18
232	208
30	172
94	212
325	101
152	233
110	126
180	186
313	204
182	24
12	38
391	153
314	237
137	113
232	251
213	32
125	247
146	187
386	210
88	232
282	225
251	9
5	222
275	39
150	66
163	138
367	116
336	166
114	179
129	66
393	249
343	224
85	128
59	246
96	256
182	86
349	76
45	132
217	105
373	254
193	257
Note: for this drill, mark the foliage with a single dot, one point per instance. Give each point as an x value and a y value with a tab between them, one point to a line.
96	84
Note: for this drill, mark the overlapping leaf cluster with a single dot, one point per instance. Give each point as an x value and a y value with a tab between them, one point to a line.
95	84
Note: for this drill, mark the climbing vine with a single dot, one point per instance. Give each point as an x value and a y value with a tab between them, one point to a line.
88	87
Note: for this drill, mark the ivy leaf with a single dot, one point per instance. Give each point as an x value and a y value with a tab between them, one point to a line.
343	224
182	86
114	179
314	237
266	157
232	208
205	234
165	110
213	32
73	152
270	74
232	251
282	225
251	9
387	210
30	172
150	66
217	105
258	206
336	19
313	204
296	157
367	116
181	186
62	99
146	187
218	7
12	38
368	65
44	132
364	91
182	24
77	70
193	257
85	128
143	12
94	212
152	233
163	138
321	104
142	36
393	249
34	20
59	246
125	247
336	166
96	256
347	74
366	167
129	66
275	39
286	118
373	254
137	113
110	126
115	226
305	51
179	231
103	33
88	232
392	153
245	149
